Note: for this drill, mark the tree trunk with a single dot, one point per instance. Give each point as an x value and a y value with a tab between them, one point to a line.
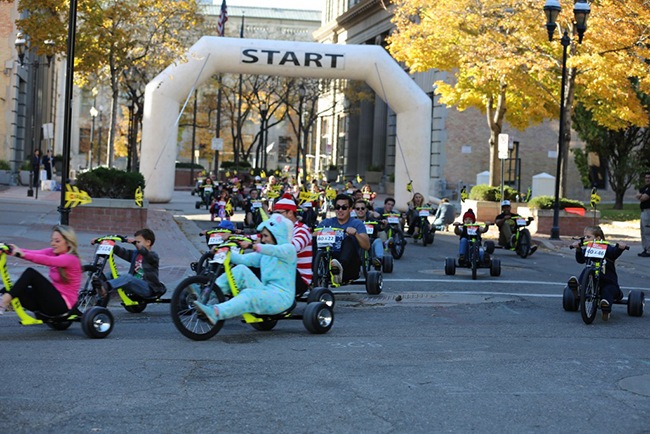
495	117
114	106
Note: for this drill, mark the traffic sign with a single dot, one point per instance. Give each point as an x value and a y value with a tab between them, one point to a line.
75	197
217	144
504	141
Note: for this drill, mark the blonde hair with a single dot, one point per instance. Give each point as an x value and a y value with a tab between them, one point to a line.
70	238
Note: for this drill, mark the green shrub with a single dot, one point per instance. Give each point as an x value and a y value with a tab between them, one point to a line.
391	177
231	165
333	167
4	165
546	202
110	183
492	194
183	165
373	168
27	165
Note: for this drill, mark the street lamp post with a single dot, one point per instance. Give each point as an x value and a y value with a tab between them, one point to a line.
260	154
552	9
21	48
93	114
99	137
301	94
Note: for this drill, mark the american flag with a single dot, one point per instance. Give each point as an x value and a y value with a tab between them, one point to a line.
223	17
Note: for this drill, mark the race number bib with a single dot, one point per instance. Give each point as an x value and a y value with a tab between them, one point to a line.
521	222
235	189
326	238
215	239
221	203
221	255
393	219
595	250
105	248
366	196
472	230
370	229
424	212
208	189
257	204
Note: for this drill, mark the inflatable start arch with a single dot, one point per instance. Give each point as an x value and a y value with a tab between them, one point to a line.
370	63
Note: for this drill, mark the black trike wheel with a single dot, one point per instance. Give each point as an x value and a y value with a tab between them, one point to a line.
387	264
489	247
323	295
425	232
264	326
374	282
88	296
97	323
186	319
318	318
569	302
60	325
635	303
523	246
135	308
495	267
588	297
202	264
366	263
321	270
473	257
398	246
450	266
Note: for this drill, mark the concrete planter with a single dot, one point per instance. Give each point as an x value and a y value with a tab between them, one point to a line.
390	188
486	211
373	177
5	177
109	216
332	175
571	225
24	177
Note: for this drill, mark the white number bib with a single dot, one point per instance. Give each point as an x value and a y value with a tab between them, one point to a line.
521	222
370	229
220	256
424	213
105	248
326	238
472	230
208	189
596	251
215	239
393	219
257	204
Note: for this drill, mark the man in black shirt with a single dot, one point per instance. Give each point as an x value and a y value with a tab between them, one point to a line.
644	200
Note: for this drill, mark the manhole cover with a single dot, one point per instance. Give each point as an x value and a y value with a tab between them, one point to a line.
639	385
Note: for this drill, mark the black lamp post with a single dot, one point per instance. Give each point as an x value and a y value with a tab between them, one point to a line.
301	93
552	9
260	155
21	48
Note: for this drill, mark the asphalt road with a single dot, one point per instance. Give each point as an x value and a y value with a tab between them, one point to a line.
497	354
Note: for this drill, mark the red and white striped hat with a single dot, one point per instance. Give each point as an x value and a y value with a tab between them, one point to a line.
285	202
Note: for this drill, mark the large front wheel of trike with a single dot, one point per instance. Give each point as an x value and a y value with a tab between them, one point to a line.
89	294
187	320
588	297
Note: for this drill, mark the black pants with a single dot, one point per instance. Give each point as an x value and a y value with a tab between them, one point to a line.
349	259
301	286
36	293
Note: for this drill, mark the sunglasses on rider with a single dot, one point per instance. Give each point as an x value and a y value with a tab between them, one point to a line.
343	207
360	209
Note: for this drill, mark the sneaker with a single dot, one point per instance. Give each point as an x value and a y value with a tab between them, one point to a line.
644	254
337	271
101	287
532	250
605	309
207	311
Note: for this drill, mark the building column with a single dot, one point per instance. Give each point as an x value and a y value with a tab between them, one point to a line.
366	130
379	133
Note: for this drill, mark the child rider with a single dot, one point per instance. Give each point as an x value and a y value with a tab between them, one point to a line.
609	289
463	231
142	279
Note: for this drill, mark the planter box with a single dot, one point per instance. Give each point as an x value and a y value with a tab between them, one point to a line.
24	177
332	175
487	211
5	177
109	216
183	178
373	177
571	225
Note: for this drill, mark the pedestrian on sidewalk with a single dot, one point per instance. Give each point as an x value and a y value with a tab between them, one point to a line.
47	164
644	201
36	167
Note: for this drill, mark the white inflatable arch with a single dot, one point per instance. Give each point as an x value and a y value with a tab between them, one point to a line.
370	63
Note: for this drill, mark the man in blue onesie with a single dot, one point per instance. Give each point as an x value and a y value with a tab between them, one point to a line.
345	252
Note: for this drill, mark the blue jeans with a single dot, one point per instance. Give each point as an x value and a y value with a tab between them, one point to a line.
377	248
132	285
464	250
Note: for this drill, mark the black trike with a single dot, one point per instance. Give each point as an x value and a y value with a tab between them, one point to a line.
473	260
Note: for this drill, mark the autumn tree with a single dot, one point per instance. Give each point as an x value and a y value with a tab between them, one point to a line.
504	65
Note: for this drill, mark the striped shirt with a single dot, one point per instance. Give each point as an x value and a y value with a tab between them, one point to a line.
302	241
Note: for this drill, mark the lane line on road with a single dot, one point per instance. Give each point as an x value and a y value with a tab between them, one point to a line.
512	282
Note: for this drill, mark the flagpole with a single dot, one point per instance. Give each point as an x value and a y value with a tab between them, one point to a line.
221	30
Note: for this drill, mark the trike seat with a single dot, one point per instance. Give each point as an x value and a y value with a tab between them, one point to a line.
277	316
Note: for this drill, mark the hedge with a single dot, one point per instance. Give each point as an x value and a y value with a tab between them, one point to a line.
243	164
492	194
547	202
110	183
4	165
183	165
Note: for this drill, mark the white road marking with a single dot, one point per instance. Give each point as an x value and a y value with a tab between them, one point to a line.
505	282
